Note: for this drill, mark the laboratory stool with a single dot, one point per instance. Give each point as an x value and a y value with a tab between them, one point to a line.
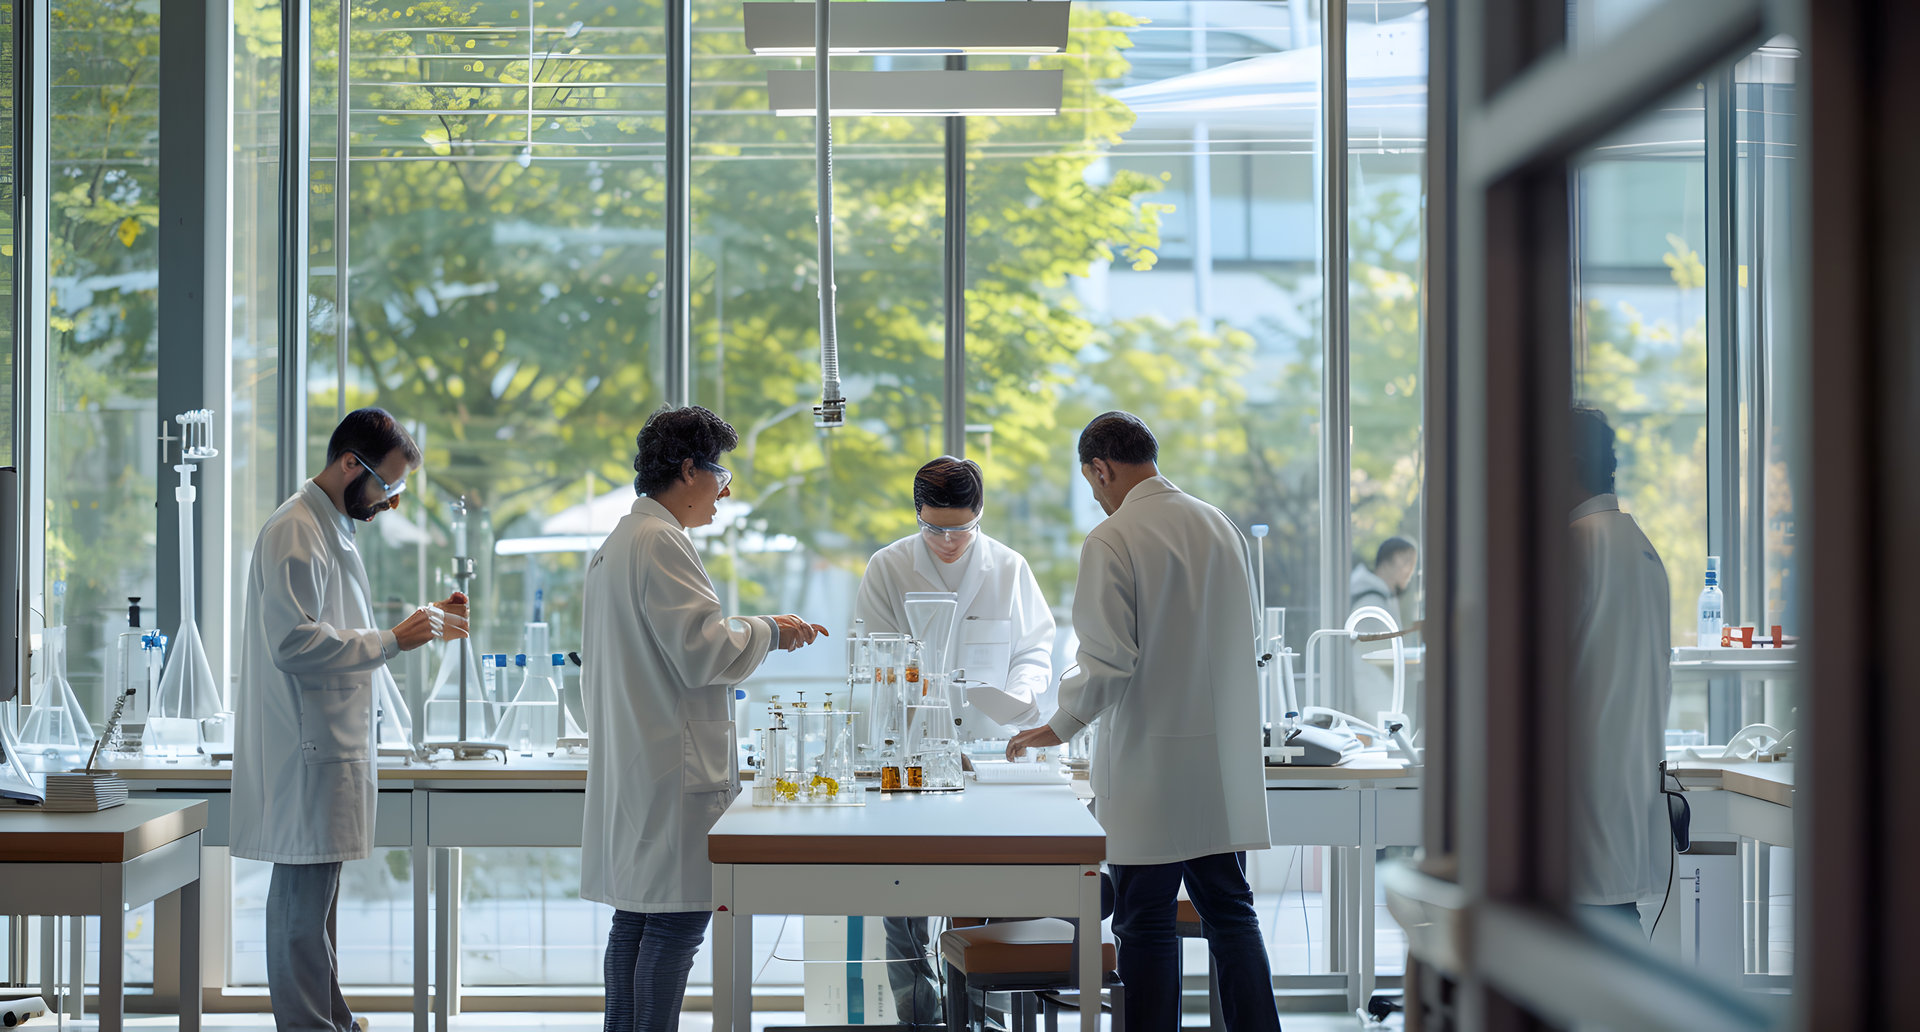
1186	925
1025	958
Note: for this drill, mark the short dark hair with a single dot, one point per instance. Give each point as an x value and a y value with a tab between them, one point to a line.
1118	437
1591	438
1391	549
374	434
670	437
949	483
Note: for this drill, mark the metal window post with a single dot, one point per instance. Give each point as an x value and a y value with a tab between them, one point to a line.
291	363
1723	388
954	283
1336	443
677	339
182	315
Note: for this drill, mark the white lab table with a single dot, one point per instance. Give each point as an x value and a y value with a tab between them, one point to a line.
432	809
81	864
991	851
1366	803
1745	801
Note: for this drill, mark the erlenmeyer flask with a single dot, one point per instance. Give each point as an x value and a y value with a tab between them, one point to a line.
531	723
442	708
56	725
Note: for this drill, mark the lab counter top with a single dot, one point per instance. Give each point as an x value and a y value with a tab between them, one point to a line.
986	824
144	773
1770	782
1367	767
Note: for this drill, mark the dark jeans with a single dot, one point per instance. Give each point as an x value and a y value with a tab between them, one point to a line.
303	970
648	958
1143	925
916	1000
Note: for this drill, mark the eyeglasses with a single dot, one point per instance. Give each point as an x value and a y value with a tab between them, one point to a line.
392	490
949	533
720	473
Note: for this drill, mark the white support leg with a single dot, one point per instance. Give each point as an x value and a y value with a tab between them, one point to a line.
77	964
1090	949
732	957
113	936
421	873
187	903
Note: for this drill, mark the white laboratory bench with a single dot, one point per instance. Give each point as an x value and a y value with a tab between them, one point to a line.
1369	802
436	809
995	850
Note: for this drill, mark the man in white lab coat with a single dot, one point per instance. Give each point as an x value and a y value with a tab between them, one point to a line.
1004	643
1164	611
659	658
303	757
1620	684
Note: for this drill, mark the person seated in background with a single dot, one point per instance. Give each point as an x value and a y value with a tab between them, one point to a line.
1392	572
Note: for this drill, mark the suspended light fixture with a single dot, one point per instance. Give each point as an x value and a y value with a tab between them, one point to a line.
876	27
936	93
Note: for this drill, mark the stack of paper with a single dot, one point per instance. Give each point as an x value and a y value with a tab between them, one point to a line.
1017	773
81	792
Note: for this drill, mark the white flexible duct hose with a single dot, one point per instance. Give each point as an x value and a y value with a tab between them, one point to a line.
832	410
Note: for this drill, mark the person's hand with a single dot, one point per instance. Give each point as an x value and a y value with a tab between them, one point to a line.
433	623
454	605
1041	737
796	633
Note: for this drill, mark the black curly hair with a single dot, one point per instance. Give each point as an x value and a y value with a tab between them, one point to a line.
670	437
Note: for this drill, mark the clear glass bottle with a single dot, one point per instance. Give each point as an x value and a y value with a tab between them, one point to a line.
1712	607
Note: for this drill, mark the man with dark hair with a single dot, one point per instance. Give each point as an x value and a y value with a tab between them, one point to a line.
1165	614
1392	572
1003	639
1620	685
312	665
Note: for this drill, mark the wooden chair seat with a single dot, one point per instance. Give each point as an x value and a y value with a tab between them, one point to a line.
1043	946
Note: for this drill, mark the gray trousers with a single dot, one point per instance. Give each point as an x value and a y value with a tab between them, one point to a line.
303	971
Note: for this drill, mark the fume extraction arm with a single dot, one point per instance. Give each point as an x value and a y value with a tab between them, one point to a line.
832	410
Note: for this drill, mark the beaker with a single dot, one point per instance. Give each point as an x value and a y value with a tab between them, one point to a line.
885	710
56	724
138	659
531	722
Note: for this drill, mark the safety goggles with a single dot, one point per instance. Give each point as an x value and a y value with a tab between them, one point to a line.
392	491
949	533
720	473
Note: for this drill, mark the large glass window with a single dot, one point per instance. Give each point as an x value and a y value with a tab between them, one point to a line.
102	256
1185	289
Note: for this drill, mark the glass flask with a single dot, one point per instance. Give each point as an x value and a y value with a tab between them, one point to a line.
56	725
139	657
531	723
442	708
569	727
886	714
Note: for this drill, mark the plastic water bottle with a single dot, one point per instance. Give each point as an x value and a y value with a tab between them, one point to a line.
1712	607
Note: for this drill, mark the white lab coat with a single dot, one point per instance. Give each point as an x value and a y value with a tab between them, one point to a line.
1621	685
658	659
303	752
1164	611
1005	628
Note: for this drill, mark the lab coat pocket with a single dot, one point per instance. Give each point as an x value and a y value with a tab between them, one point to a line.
986	650
707	754
336	720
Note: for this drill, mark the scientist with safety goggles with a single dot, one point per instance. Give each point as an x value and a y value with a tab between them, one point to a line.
1004	642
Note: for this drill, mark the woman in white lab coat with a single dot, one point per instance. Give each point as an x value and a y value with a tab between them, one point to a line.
1004	643
658	659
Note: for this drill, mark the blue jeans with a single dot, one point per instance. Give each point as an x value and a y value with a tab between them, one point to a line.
648	958
303	970
1143	925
